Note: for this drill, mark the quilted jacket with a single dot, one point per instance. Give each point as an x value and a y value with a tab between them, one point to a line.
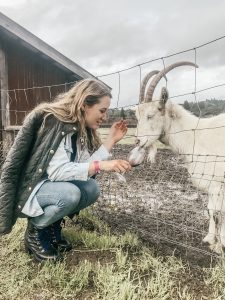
26	163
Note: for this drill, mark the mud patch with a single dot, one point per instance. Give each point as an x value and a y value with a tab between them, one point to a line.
79	255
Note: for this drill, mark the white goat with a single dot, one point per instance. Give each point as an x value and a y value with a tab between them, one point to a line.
200	141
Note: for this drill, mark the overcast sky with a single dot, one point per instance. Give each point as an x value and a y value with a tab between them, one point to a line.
104	36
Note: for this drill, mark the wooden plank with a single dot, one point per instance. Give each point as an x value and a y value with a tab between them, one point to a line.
4	87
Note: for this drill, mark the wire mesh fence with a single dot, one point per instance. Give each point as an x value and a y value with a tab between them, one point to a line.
161	201
157	201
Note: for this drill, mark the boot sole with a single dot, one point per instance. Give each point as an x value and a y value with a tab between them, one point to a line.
63	249
40	259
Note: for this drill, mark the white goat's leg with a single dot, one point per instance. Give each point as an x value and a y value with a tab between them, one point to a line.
221	230
152	151
219	221
210	238
217	248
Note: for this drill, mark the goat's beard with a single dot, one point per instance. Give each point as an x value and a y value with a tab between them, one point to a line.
152	151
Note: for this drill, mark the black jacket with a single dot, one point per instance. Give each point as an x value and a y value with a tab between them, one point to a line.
26	164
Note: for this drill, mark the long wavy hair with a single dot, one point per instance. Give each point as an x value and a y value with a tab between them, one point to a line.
66	107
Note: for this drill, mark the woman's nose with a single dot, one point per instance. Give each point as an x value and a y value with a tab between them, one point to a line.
104	117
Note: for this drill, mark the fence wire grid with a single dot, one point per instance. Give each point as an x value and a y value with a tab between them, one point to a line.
159	200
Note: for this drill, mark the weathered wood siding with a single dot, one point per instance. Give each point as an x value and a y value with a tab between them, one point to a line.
27	69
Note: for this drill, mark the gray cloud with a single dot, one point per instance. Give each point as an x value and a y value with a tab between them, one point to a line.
104	36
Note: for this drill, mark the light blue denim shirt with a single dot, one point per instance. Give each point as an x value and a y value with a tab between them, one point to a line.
61	168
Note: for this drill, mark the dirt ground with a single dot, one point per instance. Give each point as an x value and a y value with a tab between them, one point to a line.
160	204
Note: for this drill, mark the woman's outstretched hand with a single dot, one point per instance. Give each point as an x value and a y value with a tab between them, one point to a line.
117	131
117	165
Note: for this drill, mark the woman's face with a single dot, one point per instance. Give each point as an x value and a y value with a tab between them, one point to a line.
96	114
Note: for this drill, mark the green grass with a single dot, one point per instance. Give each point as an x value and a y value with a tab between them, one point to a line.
102	266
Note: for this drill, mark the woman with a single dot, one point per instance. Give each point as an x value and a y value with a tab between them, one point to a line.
48	172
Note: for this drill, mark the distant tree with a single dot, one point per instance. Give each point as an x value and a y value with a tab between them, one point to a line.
209	107
122	114
186	105
202	105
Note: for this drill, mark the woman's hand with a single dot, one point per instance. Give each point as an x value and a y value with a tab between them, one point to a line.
116	133
117	165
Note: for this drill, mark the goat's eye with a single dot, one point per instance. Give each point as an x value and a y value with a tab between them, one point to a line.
149	117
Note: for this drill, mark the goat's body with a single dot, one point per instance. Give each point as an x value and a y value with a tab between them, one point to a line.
202	143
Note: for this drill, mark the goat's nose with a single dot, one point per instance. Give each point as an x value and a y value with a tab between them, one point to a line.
137	141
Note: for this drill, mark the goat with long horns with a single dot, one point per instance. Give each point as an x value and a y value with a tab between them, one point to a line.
200	141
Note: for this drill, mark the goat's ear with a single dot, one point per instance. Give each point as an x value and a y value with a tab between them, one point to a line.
135	108
164	96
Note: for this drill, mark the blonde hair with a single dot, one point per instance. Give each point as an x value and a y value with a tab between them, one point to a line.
67	107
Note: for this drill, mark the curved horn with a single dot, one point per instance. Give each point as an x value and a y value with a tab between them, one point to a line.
162	73
144	83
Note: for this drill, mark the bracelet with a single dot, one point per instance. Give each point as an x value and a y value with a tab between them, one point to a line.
97	166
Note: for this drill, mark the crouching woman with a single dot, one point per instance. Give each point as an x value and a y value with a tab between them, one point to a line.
48	171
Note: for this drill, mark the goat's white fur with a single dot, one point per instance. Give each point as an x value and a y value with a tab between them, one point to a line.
202	143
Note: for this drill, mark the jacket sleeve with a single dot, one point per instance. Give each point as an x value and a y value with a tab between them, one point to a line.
12	168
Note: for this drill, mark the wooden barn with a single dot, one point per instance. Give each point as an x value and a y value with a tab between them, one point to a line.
31	72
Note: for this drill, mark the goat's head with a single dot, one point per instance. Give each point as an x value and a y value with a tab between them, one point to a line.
151	115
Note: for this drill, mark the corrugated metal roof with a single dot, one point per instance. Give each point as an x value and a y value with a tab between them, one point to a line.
29	40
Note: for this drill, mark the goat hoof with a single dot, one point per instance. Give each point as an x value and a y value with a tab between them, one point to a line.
206	243
209	240
217	248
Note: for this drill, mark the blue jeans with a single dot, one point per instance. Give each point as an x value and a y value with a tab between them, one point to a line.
59	199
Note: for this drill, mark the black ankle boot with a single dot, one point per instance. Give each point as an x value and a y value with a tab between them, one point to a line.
58	240
38	242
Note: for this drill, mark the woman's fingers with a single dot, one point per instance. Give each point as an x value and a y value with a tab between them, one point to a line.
118	165
120	169
121	124
122	127
123	165
125	129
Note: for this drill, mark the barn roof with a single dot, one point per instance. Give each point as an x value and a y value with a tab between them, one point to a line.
15	31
